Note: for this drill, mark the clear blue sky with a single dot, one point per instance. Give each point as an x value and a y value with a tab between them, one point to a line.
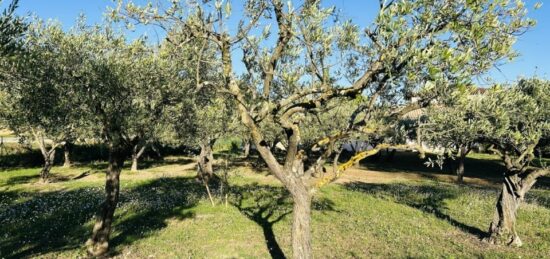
534	46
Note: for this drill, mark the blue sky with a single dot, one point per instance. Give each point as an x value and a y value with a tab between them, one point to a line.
534	46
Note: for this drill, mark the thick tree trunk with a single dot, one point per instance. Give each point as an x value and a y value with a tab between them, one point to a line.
301	223
503	227
67	154
136	154
206	160
98	244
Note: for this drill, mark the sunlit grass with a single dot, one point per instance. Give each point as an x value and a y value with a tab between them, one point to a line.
165	214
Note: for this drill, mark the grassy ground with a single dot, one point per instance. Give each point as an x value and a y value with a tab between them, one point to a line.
6	133
380	209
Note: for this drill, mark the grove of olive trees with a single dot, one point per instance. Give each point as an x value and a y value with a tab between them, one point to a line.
297	80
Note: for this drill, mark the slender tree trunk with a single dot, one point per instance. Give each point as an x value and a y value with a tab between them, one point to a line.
460	170
98	244
134	167
421	151
136	154
301	223
461	159
246	148
67	154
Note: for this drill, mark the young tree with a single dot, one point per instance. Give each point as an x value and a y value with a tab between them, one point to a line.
296	72
451	125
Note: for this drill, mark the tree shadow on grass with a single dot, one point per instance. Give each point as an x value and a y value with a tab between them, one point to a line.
150	163
429	199
56	221
267	205
407	161
22	179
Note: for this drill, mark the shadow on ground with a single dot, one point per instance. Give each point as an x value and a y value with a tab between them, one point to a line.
56	221
426	198
21	156
407	161
267	205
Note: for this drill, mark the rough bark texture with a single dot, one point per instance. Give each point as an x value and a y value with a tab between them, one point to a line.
503	227
206	159
98	244
67	154
301	223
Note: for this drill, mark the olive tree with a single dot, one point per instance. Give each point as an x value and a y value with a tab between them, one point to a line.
12	28
114	83
452	126
205	115
155	81
37	103
514	120
297	59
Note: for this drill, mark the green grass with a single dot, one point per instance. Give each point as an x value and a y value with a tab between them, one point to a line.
6	133
164	213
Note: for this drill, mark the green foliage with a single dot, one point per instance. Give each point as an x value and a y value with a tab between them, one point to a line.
12	29
35	93
513	119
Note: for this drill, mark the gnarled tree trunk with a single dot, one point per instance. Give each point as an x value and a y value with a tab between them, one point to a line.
503	227
206	160
98	244
48	163
48	155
